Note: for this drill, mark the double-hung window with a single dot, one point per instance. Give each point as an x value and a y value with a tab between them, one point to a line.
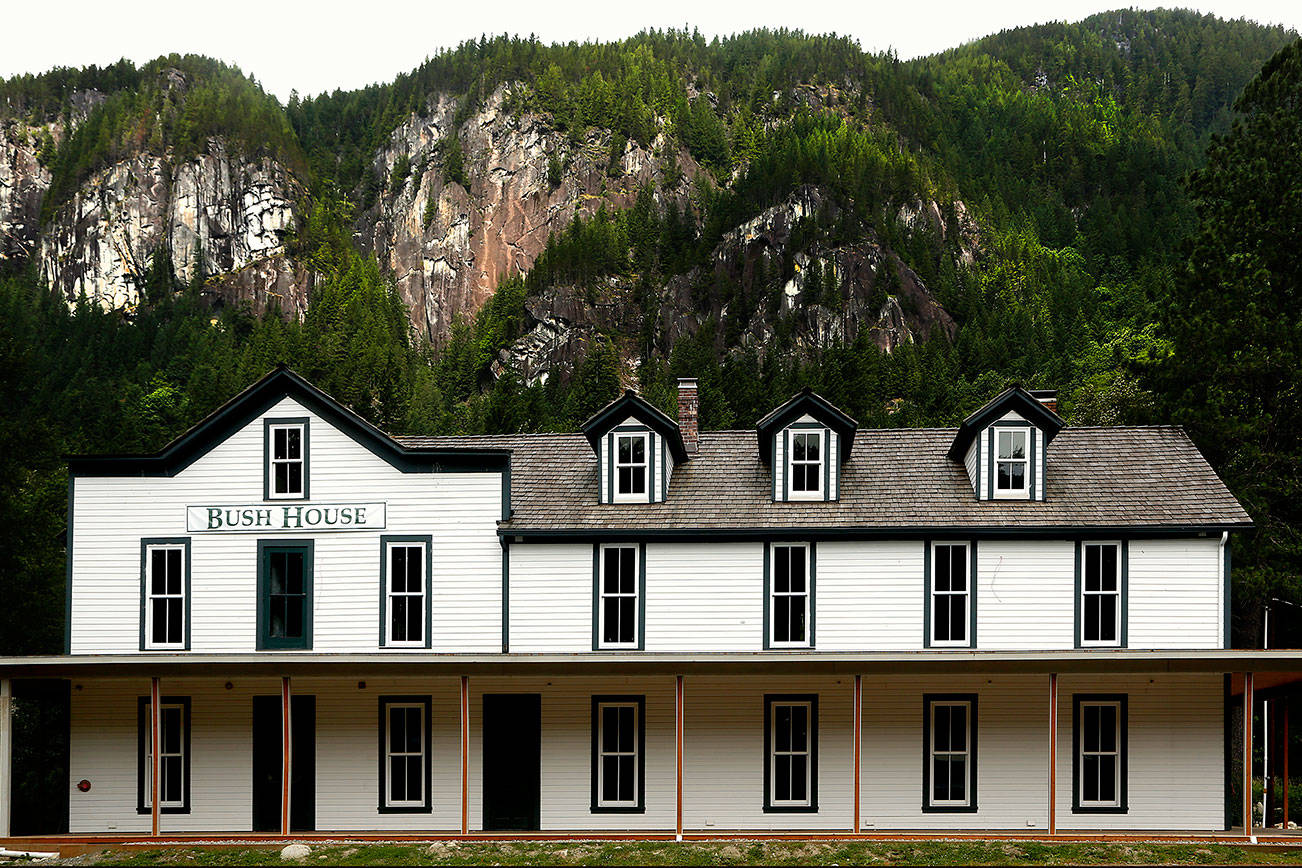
287	460
630	467
1012	460
618	754
949	761
806	465
173	756
1099	736
791	761
790	595
618	608
949	609
285	594
404	754
1100	594
405	601
165	591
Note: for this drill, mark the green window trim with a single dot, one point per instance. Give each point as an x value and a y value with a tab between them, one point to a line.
146	543
427	542
268	423
640	644
1123	751
143	738
383	781
929	548
595	805
266	547
771	699
1123	588
928	700
811	580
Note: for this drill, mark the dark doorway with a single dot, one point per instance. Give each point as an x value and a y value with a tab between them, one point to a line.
267	764
512	756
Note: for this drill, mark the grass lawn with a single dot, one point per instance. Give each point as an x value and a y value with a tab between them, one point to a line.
718	853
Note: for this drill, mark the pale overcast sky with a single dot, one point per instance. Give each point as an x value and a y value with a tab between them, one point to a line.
324	45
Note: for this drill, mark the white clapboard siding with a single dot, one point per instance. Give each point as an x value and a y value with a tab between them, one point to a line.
459	510
868	596
700	597
1012	752
348	746
833	459
1176	752
1175	593
1025	595
971	461
551	598
779	462
566	763
724	753
103	749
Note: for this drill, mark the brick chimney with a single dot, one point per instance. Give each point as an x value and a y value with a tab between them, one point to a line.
1047	397
688	410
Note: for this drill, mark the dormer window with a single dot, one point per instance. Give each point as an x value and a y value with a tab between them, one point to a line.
630	467
1012	457
806	466
286	451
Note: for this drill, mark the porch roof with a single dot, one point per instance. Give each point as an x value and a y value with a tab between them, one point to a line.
647	663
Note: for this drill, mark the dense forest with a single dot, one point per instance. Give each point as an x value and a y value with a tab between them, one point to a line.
1101	268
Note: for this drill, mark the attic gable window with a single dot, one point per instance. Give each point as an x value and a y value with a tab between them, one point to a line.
286	450
1012	457
805	466
630	467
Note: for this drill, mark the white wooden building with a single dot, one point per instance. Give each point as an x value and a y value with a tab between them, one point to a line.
288	621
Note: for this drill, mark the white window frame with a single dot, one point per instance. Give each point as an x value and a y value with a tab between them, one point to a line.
807	753
774	593
1115	705
390	753
150	596
178	755
1025	461
966	753
390	595
602	753
603	595
643	496
273	461
821	438
966	641
1085	594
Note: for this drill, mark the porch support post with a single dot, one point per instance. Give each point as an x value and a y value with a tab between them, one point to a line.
465	754
286	753
6	755
155	727
1247	754
857	738
1286	701
1053	753
678	743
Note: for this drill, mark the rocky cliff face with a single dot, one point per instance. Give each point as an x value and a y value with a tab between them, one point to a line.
219	212
23	182
449	245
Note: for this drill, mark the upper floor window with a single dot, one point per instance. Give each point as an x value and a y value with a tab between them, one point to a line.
1101	593
618	609
405	601
287	459
618	754
165	594
790	596
630	467
1012	459
285	594
805	465
1099	755
949	767
949	607
791	761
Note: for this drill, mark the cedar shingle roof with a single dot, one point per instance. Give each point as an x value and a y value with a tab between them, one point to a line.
1097	477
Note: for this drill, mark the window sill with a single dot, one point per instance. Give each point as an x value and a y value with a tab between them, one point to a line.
1099	809
617	809
164	810
404	809
791	809
949	809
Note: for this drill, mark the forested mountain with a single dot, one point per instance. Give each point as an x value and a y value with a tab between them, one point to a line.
503	238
